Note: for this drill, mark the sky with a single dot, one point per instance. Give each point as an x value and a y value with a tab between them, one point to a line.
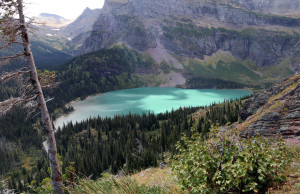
69	9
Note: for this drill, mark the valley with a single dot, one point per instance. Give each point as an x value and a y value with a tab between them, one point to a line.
137	82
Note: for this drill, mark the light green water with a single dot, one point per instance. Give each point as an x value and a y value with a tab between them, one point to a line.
141	100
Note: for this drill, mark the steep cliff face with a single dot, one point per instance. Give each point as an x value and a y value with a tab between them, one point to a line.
82	24
143	18
274	111
195	29
286	7
261	46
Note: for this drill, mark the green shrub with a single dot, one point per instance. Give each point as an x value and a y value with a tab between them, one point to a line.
225	164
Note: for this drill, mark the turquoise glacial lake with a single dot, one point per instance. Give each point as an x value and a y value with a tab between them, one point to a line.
143	100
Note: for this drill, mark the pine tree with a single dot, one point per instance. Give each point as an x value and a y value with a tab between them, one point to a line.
10	30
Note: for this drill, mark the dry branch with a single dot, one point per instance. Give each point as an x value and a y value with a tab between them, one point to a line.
12	75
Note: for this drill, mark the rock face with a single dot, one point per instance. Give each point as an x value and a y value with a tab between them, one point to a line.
174	24
82	24
170	30
286	7
274	111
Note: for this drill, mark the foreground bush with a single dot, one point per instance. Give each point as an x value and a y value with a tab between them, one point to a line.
224	163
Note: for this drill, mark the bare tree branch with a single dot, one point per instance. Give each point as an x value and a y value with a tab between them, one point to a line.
13	56
9	44
7	105
12	75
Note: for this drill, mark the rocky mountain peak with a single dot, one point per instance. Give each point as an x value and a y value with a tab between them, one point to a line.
176	31
48	15
87	9
52	20
83	23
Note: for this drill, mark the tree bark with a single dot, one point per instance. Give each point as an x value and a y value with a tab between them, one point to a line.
52	150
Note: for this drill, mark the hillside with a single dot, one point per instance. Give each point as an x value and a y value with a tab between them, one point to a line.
65	35
275	111
287	7
206	44
46	57
205	121
203	39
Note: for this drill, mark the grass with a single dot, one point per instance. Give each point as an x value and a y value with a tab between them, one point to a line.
162	181
154	176
292	184
112	185
150	181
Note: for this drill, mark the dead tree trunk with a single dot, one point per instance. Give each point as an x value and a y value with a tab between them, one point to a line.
52	150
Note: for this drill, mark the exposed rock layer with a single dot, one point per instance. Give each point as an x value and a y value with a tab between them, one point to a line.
275	111
142	24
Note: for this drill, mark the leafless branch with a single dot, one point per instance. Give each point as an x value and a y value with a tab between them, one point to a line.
137	151
13	56
50	99
12	75
10	43
51	85
8	104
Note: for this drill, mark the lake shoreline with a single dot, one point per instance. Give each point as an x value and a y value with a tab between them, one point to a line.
139	100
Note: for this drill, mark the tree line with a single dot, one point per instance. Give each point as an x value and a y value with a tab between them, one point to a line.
128	143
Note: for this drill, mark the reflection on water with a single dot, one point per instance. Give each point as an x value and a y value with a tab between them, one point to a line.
141	100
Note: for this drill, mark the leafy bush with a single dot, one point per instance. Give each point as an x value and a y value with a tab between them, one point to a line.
229	163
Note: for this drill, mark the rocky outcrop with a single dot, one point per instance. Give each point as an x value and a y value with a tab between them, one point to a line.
286	7
82	24
144	24
177	30
275	111
261	46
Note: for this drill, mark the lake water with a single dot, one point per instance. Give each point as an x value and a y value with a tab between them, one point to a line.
141	100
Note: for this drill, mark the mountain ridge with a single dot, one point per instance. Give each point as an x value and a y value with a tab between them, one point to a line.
176	31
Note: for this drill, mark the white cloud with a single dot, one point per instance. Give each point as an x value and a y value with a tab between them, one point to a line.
69	9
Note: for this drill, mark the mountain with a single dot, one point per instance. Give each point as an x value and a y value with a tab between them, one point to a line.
82	24
66	35
52	20
229	40
287	7
45	56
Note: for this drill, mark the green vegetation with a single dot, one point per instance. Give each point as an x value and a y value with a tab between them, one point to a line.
198	82
228	163
223	66
15	127
234	63
127	144
45	56
123	144
166	68
101	71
